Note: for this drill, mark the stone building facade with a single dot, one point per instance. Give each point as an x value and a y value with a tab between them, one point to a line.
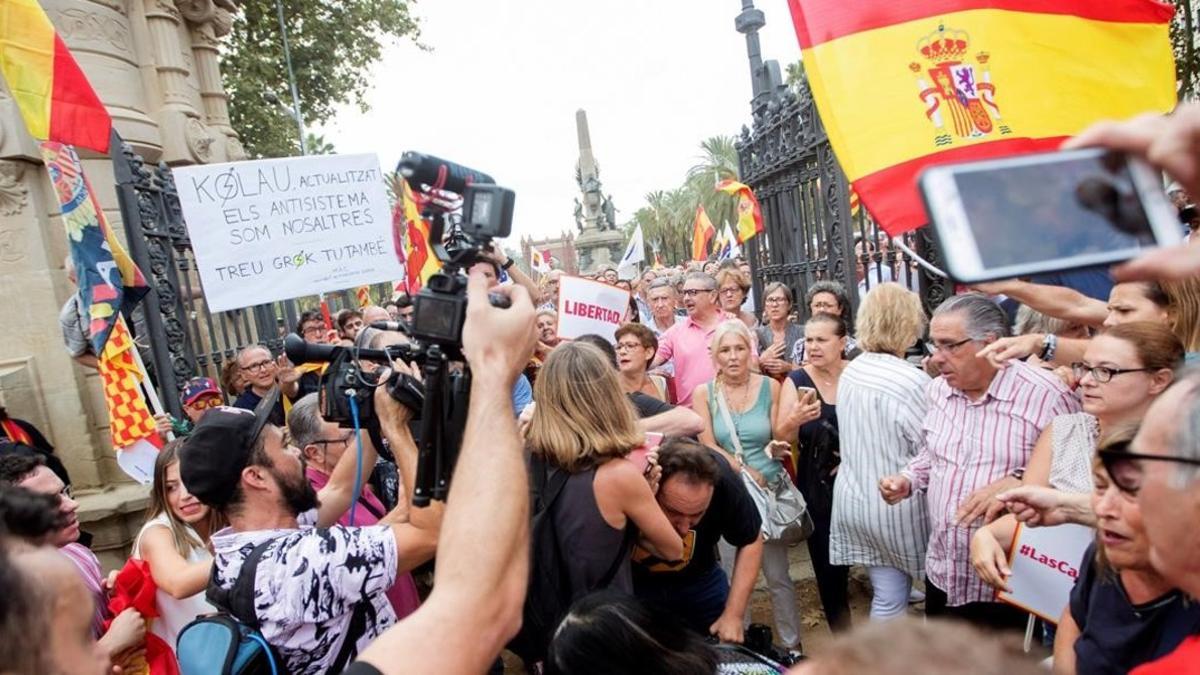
561	248
154	64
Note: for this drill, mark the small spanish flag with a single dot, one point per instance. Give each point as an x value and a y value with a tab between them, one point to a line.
702	234
362	294
750	220
52	93
902	86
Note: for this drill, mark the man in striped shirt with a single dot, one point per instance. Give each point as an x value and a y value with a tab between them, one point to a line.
980	430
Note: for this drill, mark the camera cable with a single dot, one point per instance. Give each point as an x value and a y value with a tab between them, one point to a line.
358	462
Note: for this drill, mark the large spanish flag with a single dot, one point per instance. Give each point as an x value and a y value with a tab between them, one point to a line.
905	84
52	93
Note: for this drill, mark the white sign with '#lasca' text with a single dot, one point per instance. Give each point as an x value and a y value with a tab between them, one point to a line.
590	307
1045	564
275	229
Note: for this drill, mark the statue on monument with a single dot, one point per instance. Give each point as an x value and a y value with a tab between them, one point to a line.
599	242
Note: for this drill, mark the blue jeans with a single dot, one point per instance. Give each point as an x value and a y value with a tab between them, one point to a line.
698	603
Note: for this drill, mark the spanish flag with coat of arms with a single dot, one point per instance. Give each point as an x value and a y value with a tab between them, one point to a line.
902	85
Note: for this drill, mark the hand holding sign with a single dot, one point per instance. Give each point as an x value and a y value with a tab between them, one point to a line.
1045	563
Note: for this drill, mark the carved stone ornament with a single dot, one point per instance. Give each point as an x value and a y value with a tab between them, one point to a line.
234	149
114	5
199	140
14	195
78	25
167	7
196	11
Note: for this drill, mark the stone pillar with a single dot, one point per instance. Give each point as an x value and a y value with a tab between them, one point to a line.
154	65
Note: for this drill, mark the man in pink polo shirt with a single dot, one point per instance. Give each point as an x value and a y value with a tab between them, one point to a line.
687	341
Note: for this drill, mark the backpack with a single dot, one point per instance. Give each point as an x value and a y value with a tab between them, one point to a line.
549	596
231	642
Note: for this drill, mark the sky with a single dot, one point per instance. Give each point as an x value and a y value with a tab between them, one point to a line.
500	86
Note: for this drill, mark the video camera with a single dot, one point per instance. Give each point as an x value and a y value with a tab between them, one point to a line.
465	210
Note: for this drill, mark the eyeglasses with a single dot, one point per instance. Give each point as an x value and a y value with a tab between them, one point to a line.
693	292
1125	468
314	329
339	441
1101	374
206	402
628	346
733	290
947	347
258	366
776	301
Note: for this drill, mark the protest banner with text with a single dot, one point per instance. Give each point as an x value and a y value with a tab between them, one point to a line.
586	306
1045	564
275	229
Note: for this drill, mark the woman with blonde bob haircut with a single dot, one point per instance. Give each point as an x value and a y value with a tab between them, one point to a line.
582	432
881	406
738	409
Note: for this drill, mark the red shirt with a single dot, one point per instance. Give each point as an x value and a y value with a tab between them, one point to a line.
1185	660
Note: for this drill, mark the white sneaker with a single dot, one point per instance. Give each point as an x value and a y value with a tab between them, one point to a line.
915	596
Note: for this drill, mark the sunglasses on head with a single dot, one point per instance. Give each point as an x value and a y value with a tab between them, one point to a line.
1125	468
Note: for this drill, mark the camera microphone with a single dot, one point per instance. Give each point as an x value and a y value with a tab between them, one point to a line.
394	326
421	169
299	351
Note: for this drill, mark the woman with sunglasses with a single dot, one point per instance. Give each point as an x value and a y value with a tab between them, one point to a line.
1124	369
1122	612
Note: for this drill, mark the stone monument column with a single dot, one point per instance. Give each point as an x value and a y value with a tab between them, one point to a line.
154	67
599	244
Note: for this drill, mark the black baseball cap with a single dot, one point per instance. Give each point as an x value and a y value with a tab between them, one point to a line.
214	454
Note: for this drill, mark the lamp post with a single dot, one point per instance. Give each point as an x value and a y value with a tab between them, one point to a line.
287	57
765	77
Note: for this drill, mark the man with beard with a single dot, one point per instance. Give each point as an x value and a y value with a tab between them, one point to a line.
319	592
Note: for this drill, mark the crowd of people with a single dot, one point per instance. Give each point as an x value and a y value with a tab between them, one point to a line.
615	500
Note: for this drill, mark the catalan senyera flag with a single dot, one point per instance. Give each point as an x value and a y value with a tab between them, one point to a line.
108	277
419	262
362	295
702	234
52	93
901	86
750	220
130	423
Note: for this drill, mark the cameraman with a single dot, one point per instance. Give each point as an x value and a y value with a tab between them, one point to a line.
310	584
483	552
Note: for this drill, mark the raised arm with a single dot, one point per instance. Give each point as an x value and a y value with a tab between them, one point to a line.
1059	302
483	552
677	421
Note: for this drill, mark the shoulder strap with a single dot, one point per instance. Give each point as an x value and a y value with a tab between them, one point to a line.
238	601
622	555
728	419
356	629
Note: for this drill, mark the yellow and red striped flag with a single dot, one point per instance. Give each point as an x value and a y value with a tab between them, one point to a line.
702	233
901	86
750	220
362	294
420	263
130	424
52	93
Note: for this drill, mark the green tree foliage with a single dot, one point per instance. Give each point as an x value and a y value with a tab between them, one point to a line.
333	45
668	216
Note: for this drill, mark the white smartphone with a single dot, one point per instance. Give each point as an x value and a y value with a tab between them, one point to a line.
1018	216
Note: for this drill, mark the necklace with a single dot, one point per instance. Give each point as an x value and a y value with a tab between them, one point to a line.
738	404
829	379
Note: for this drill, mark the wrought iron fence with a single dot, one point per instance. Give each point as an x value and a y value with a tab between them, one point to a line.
184	339
813	231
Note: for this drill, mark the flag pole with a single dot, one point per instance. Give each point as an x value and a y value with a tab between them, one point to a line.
156	406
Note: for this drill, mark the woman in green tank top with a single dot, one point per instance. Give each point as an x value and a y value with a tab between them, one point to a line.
738	408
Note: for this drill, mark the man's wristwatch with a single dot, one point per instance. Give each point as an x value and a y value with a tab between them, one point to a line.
1049	347
507	264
